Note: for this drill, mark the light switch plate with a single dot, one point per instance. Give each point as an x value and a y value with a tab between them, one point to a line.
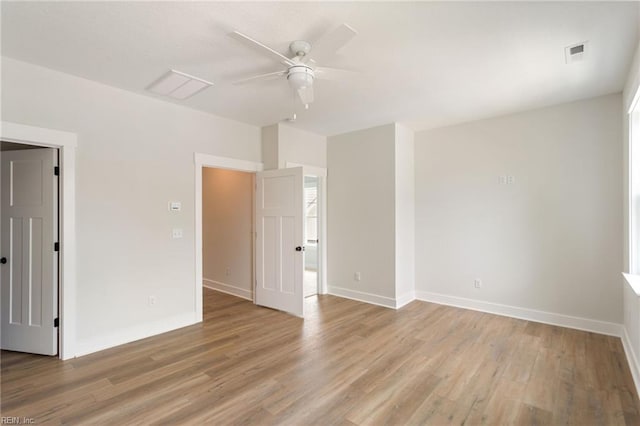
175	206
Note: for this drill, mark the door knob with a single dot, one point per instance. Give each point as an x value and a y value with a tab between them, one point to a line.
300	248
3	260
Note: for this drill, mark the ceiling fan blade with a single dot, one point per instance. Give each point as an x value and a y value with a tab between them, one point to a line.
326	73
331	42
260	48
261	77
306	94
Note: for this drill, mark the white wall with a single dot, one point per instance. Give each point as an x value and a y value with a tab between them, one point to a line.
270	147
282	144
135	154
227	226
405	213
552	241
299	146
361	213
372	215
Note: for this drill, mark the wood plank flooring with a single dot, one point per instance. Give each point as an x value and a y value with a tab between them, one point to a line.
348	363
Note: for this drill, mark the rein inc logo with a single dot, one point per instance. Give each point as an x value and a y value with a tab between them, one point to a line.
4	420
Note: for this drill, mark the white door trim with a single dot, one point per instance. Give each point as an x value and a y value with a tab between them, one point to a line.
321	173
206	160
66	142
308	170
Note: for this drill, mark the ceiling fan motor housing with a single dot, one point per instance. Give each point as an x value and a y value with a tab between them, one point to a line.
300	76
300	47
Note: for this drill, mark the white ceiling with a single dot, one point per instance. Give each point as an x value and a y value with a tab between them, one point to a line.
426	64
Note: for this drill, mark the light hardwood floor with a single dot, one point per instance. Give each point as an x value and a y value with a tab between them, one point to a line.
348	363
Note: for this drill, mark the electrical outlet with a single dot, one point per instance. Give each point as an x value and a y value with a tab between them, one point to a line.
227	271
176	233
477	283
510	180
152	300
357	276
502	180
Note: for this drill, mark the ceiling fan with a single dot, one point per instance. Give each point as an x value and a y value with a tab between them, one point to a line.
301	69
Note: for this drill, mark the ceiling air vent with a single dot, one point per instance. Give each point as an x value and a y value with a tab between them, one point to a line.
576	52
178	85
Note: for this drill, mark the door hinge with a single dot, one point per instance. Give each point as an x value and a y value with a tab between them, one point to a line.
56	322
56	246
56	171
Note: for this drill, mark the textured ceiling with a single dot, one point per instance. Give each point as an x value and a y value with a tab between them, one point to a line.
424	64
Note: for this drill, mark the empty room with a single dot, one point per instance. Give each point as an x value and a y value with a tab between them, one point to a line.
296	213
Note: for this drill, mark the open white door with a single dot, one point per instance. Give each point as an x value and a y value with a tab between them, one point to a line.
279	240
29	276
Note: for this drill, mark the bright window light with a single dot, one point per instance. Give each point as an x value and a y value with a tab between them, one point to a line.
634	185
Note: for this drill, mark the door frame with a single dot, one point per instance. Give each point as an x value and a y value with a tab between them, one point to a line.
321	174
201	161
66	143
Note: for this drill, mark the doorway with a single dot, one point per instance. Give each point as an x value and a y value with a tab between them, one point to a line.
66	144
311	236
227	231
203	161
315	179
29	247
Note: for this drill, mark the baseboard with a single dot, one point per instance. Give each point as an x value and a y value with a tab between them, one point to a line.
405	299
227	288
131	334
632	359
374	299
585	324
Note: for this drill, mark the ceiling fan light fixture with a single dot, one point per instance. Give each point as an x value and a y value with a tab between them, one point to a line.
300	77
301	68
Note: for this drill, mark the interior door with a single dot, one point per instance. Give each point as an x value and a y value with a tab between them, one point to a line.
29	269
280	240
